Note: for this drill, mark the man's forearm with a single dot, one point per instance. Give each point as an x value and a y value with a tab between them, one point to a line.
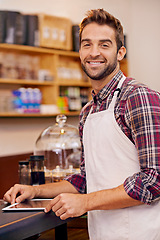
110	199
51	190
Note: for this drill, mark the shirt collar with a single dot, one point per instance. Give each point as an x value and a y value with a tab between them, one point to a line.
108	88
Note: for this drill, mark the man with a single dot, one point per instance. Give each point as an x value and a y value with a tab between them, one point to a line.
120	136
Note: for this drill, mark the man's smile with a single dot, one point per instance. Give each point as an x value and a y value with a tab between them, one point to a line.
95	63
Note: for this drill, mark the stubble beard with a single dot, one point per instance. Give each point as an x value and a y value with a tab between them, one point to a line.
103	73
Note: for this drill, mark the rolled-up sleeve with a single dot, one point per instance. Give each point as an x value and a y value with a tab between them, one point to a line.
79	180
142	115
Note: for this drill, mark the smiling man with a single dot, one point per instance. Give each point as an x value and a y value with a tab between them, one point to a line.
119	183
99	54
94	52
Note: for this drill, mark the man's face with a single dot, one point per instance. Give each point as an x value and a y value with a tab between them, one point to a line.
98	51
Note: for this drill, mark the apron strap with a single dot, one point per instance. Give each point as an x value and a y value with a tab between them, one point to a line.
117	92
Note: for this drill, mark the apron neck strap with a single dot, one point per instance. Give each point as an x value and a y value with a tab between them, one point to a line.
117	92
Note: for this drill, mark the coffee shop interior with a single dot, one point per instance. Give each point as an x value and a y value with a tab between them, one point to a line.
41	78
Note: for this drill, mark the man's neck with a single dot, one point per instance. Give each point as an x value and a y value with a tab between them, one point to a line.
97	85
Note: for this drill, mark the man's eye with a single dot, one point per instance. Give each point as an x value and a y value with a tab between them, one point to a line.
104	45
86	45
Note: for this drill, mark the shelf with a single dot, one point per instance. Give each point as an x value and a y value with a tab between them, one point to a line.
72	82
12	114
34	115
23	81
23	48
60	82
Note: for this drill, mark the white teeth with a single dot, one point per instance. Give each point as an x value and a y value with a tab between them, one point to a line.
94	63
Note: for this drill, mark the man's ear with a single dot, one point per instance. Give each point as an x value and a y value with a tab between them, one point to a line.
121	53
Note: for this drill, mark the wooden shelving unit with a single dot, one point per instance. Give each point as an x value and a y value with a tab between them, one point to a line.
52	60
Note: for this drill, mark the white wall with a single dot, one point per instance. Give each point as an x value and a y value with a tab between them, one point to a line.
18	135
140	19
144	41
73	9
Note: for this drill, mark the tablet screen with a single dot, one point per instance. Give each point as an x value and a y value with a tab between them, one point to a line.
33	204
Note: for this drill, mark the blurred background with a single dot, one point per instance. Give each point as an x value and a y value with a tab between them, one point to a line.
140	19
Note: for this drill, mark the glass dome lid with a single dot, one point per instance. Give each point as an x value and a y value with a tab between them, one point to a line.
57	142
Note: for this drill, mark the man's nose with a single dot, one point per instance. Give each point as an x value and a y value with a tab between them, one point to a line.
94	51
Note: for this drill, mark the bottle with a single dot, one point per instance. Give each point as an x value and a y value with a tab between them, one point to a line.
37	169
37	97
17	102
24	172
24	99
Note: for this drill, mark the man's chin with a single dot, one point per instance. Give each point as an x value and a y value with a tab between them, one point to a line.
95	77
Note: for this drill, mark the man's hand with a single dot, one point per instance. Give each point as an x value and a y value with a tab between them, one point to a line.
19	193
67	205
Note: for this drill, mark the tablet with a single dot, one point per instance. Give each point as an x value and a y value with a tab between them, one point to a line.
28	205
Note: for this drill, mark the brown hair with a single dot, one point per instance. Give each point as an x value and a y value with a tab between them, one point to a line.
102	17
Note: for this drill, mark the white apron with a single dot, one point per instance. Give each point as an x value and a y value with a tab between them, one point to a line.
110	157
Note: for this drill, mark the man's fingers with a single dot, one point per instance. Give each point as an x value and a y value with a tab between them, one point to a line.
59	211
64	216
64	213
22	197
59	207
19	193
16	189
10	195
7	196
48	208
51	204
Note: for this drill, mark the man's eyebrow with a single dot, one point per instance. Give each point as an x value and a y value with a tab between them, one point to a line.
85	40
101	40
105	40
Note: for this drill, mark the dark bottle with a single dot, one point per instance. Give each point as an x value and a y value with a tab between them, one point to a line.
37	178
37	169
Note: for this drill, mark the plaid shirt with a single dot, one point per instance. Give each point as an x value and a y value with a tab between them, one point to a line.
137	112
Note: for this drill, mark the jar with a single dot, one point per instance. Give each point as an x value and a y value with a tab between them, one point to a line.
37	169
57	142
70	170
58	174
24	172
